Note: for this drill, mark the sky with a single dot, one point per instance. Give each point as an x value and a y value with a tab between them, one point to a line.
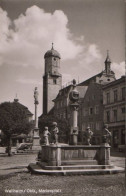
81	30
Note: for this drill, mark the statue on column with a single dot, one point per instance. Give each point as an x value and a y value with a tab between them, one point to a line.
36	138
36	95
55	132
89	135
74	105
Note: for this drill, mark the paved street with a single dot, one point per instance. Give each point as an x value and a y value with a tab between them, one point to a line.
15	177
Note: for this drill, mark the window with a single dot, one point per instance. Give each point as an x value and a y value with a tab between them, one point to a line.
90	111
123	110
115	115
123	93
108	116
115	96
54	81
108	97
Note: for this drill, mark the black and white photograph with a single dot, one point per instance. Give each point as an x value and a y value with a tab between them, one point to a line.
62	97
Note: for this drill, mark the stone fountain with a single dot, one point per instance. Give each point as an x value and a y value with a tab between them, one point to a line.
72	159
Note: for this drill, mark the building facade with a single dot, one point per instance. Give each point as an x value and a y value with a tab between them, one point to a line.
61	102
92	112
52	79
114	110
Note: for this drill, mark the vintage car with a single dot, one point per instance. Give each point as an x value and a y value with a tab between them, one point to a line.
24	146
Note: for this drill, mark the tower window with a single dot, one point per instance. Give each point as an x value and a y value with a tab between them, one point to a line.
54	81
54	59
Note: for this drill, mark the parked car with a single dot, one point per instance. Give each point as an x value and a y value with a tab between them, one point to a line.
24	146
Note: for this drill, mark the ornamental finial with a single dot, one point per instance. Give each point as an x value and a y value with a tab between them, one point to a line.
52	46
108	60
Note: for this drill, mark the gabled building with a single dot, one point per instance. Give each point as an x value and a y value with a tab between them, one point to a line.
114	95
24	108
92	112
61	102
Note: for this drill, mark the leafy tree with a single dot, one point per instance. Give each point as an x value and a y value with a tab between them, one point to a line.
13	120
64	128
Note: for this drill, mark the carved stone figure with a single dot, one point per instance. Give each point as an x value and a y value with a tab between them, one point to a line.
46	136
89	134
106	134
36	95
55	132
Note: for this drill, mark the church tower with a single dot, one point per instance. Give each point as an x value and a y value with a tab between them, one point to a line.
107	75
52	79
108	64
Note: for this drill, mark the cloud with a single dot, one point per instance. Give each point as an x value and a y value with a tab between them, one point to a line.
25	40
32	35
118	68
91	54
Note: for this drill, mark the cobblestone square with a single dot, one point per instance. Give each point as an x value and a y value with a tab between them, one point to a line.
16	180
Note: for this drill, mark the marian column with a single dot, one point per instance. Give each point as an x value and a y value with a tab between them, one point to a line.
74	97
36	138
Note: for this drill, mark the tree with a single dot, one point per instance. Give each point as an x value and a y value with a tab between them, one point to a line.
13	120
64	128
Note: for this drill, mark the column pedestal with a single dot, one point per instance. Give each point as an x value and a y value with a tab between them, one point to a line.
74	127
104	154
36	140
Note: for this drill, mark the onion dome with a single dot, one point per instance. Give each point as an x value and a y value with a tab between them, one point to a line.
108	60
52	52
